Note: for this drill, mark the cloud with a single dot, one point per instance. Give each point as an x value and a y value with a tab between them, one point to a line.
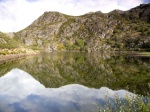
18	14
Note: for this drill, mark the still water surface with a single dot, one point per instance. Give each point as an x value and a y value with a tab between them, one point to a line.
20	92
112	70
64	82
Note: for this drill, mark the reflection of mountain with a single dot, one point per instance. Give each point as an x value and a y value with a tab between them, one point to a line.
93	70
19	92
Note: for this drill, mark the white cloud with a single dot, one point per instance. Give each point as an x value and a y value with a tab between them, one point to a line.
18	14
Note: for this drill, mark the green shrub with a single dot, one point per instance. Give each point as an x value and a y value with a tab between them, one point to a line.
80	42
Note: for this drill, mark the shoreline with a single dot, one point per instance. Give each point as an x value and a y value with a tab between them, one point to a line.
13	57
137	53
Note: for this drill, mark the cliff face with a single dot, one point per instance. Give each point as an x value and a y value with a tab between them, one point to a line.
117	30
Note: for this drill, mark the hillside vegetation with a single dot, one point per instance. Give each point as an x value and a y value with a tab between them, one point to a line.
12	46
117	30
7	42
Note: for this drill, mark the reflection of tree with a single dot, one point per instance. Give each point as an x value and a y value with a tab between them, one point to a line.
93	70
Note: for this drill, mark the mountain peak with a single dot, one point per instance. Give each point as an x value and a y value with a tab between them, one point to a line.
117	11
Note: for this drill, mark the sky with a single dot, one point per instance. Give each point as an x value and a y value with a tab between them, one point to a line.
15	15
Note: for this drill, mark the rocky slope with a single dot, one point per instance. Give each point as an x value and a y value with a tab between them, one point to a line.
117	30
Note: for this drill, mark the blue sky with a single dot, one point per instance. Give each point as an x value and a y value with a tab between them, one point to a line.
146	1
18	14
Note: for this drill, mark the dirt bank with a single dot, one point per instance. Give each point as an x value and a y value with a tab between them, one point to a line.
12	57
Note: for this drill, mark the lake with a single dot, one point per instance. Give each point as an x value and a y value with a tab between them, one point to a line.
71	79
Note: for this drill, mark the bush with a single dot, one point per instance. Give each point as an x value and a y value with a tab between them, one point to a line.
80	42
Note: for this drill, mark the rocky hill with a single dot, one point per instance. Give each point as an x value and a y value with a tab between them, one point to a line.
117	30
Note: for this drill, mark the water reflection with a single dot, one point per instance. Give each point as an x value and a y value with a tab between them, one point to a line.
89	69
20	92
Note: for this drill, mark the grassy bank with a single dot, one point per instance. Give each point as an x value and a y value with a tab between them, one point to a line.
7	55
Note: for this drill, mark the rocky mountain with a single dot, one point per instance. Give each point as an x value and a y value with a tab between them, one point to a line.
117	30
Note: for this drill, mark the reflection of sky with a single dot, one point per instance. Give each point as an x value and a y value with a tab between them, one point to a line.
20	92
